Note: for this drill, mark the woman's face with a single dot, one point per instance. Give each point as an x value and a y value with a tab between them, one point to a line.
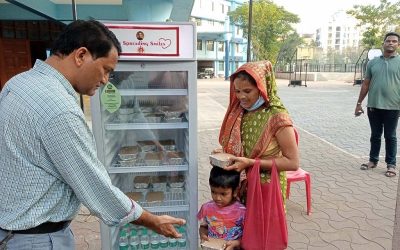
246	92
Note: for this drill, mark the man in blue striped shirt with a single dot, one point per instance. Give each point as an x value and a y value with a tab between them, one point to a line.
48	160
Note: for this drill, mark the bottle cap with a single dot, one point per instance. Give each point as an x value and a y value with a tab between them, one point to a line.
122	233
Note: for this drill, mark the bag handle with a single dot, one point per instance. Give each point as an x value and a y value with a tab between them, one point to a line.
254	171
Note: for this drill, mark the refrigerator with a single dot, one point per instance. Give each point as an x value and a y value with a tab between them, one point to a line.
144	123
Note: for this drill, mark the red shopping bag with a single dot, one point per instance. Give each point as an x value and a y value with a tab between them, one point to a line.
265	221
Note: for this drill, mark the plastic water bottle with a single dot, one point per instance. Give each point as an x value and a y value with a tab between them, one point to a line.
144	239
172	243
182	240
163	242
134	241
154	241
123	241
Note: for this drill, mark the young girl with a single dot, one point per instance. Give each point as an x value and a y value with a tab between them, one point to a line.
223	217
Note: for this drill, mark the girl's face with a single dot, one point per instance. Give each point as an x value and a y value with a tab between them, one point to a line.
245	92
222	196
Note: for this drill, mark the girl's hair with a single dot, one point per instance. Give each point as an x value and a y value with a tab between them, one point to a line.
220	177
246	76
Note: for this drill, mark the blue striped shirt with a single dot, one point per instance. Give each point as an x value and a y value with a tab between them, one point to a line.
48	159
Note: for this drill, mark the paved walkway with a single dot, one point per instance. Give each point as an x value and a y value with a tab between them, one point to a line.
351	208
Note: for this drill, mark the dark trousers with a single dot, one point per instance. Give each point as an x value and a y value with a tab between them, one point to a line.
382	120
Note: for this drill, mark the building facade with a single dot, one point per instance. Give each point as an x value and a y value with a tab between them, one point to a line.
220	44
339	33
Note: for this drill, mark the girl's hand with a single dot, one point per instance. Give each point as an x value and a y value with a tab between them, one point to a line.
203	237
232	244
240	163
203	231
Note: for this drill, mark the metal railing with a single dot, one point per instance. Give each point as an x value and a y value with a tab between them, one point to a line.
348	67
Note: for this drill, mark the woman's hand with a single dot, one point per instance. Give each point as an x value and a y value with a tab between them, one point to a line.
240	163
217	150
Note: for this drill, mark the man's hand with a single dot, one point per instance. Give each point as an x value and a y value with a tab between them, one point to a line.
161	224
359	110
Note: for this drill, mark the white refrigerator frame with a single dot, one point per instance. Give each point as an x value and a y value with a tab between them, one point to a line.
99	129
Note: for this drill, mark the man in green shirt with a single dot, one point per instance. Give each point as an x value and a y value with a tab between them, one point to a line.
382	84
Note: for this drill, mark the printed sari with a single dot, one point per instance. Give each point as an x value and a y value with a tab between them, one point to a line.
253	134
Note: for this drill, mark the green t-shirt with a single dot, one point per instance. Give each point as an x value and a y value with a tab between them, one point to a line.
384	88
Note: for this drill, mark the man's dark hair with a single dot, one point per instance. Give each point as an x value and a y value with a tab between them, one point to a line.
93	35
222	178
391	34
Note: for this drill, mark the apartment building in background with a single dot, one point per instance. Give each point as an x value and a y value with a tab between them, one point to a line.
339	33
220	44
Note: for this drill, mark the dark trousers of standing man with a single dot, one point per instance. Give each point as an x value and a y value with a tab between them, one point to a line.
382	120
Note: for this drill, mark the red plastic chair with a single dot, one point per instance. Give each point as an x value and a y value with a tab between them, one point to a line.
299	175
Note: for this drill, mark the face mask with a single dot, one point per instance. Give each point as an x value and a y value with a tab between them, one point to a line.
260	101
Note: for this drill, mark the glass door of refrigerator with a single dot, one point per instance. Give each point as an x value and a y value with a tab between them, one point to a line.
146	148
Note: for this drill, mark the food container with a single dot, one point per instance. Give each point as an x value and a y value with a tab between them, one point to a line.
154	118
172	114
159	183
155	197
147	146
153	158
146	109
175	157
173	119
127	163
125	117
221	159
125	111
136	196
176	190
141	182
128	153
213	244
177	181
168	145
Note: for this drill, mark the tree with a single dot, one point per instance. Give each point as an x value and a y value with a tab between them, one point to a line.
289	47
271	25
377	20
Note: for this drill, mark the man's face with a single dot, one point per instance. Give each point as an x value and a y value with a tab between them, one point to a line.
391	44
140	36
95	72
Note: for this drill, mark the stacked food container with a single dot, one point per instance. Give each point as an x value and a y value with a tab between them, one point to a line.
145	126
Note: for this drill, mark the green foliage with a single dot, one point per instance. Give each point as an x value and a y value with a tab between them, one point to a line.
288	47
377	20
271	25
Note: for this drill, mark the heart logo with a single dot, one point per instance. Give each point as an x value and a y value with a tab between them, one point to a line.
165	42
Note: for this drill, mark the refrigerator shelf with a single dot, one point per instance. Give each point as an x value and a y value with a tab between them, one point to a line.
146	169
171	202
131	126
165	209
153	92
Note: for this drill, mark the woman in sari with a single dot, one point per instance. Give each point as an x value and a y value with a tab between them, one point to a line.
257	125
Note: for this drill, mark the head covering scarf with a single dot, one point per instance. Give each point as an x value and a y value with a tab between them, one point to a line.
230	136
